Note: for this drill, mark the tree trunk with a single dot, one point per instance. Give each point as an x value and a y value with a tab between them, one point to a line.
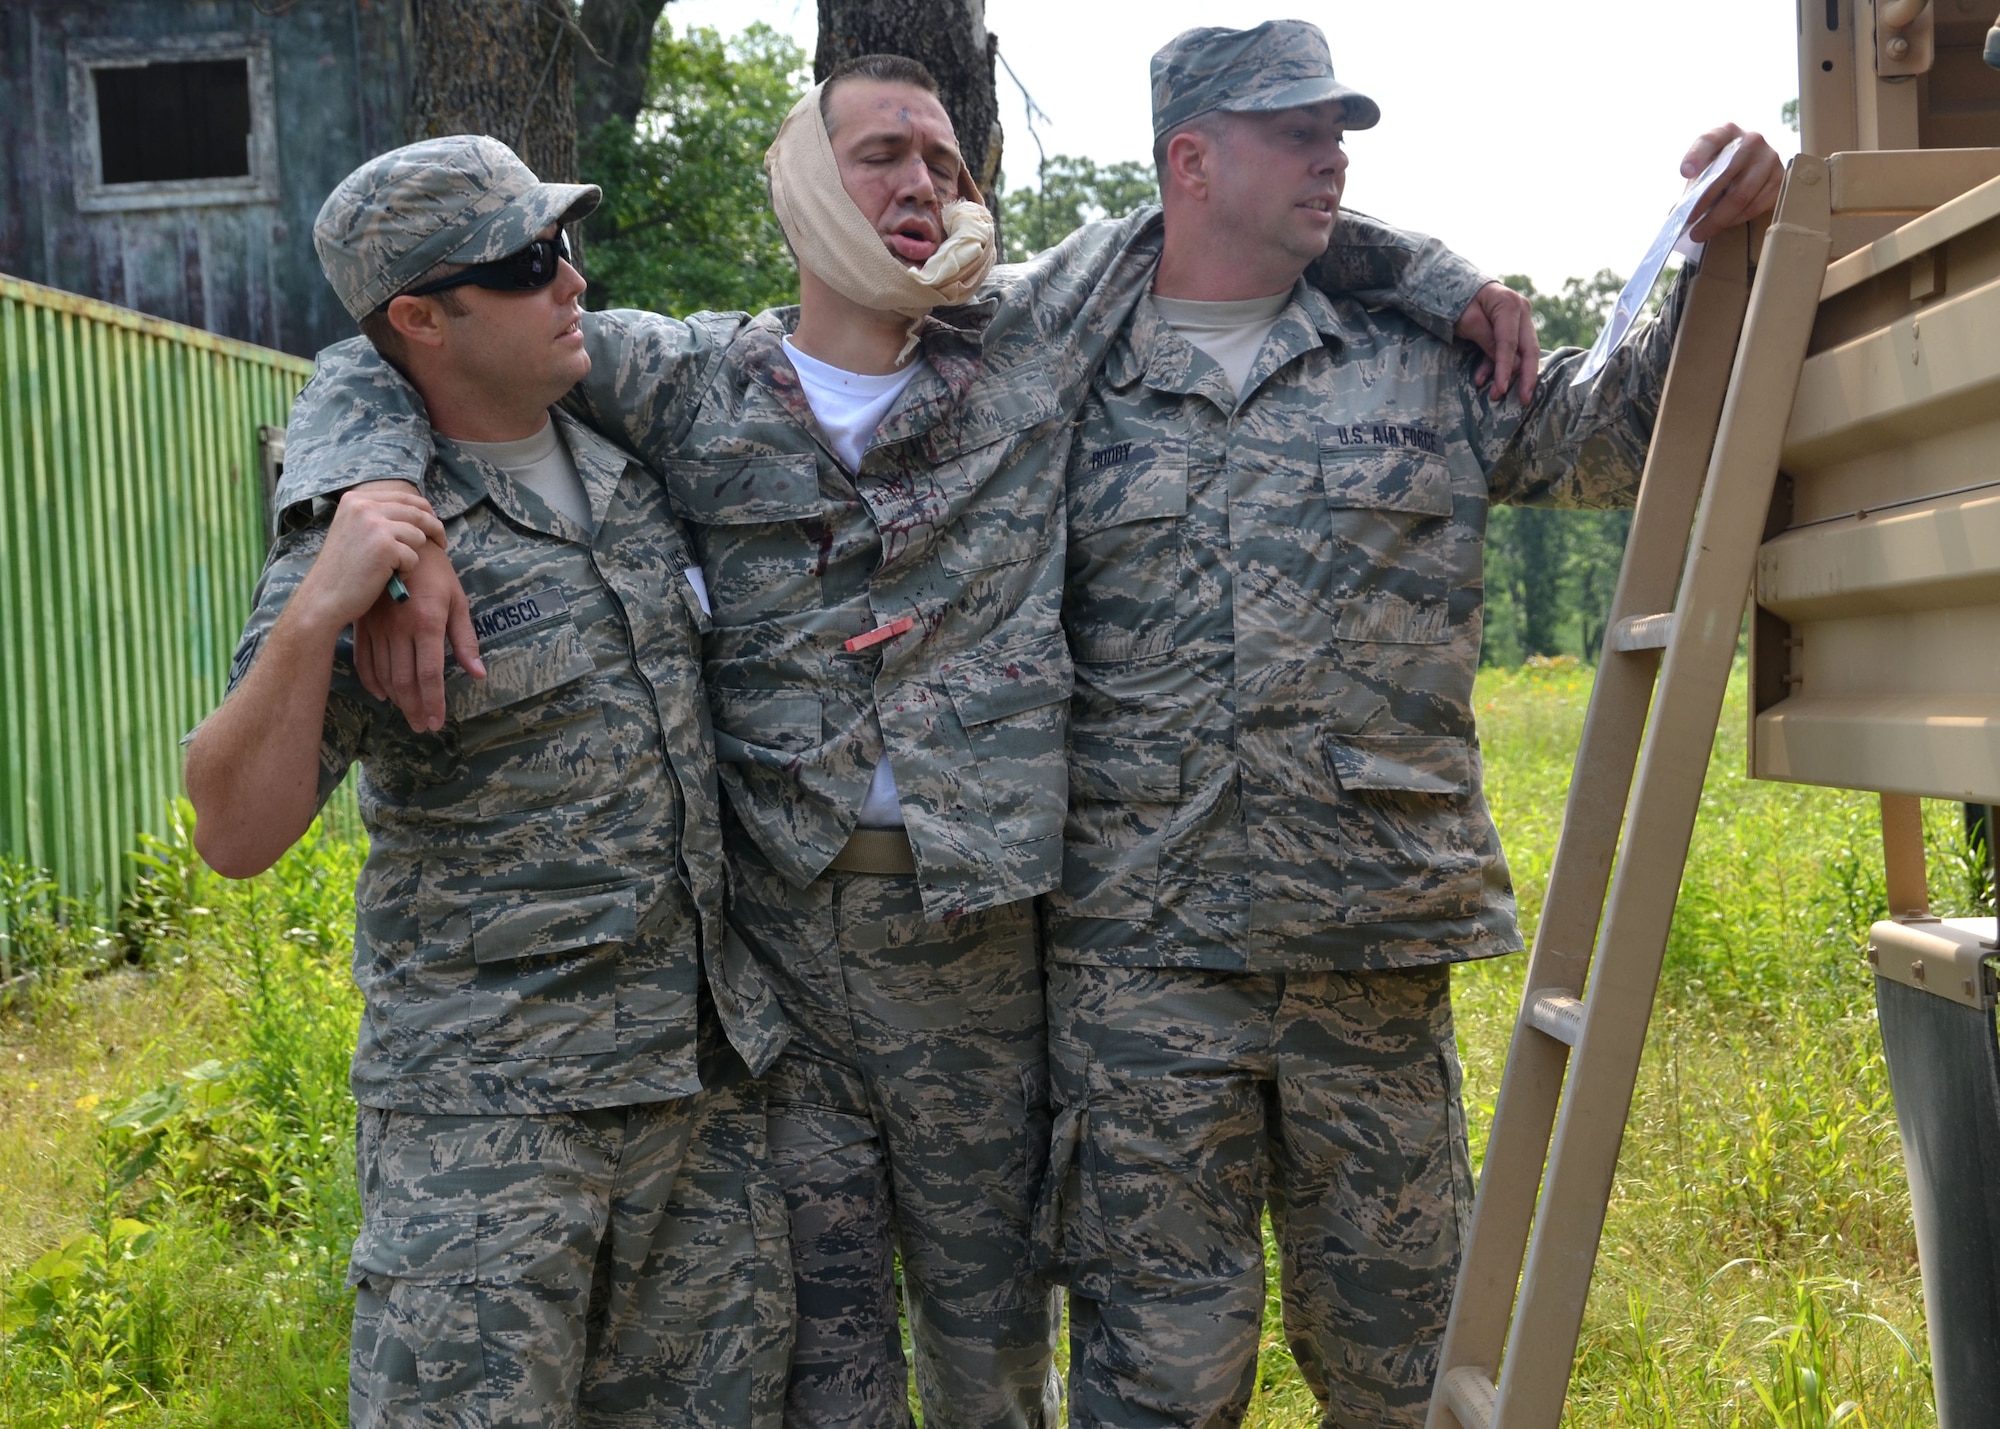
612	81
499	67
949	38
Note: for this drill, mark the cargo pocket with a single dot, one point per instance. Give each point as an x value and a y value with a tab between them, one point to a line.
774	1300
417	1340
1123	793
443	1298
1410	828
1013	707
1391	569
1061	1241
546	973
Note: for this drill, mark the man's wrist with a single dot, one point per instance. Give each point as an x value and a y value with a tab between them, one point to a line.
311	623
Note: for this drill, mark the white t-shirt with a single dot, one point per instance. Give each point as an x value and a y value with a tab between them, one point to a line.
542	463
849	406
1232	333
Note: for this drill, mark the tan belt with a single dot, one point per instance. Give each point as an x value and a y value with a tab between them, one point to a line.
879	851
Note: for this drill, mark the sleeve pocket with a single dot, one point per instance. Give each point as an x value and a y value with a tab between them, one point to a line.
1403	763
1132	771
535	927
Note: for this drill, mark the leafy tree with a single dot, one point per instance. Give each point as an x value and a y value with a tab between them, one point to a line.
1074	192
686	221
499	67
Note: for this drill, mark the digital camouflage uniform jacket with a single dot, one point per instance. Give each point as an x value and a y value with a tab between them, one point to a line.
544	880
953	521
1275	611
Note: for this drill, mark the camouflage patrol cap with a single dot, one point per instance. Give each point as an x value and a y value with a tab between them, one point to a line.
1280	64
464	198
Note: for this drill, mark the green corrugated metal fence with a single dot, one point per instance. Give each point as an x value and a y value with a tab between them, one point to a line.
131	533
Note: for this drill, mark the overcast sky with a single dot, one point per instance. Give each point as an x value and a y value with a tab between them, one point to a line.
1542	139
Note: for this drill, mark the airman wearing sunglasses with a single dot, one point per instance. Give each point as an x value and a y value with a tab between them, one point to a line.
568	1209
872	483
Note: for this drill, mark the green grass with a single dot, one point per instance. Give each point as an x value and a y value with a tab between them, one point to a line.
176	1140
177	1144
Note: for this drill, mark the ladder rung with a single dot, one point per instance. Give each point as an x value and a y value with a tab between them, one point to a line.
1470	1394
1643	632
1557	1013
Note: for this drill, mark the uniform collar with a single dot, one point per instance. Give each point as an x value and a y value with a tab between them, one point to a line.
459	480
1150	349
951	340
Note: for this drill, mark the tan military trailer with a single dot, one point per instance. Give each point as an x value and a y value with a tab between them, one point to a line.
1828	446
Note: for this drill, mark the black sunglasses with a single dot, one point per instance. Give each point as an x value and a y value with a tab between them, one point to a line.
520	272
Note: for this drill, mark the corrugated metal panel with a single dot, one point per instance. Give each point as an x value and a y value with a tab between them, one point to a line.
131	534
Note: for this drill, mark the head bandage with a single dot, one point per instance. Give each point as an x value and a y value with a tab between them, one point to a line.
833	239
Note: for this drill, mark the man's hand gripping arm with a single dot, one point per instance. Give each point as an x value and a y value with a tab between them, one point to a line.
1439	291
360	425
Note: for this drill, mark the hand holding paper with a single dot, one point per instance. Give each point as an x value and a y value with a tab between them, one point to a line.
1736	177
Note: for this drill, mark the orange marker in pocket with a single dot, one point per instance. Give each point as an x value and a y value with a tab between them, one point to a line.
880	633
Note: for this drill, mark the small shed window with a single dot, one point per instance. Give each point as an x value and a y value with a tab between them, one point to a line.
171	123
165	121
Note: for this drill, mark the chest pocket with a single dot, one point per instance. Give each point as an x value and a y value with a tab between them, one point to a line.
1392	565
755	522
530	645
1127	560
528	741
1009	522
999	405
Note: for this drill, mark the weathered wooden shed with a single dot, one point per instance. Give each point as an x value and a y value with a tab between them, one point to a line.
169	155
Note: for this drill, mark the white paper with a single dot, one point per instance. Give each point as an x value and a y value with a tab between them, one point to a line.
1668	240
699	581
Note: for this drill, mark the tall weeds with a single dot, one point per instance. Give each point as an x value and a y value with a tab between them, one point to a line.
207	1280
1757	1269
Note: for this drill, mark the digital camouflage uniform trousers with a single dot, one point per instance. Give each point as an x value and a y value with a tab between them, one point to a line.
907	1111
569	1216
1277	843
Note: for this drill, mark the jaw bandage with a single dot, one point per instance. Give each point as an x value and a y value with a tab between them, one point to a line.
830	236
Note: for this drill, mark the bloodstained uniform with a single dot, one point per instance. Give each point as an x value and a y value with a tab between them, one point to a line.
916	1079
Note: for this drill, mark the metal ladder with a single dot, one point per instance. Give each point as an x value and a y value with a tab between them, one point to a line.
1582	1026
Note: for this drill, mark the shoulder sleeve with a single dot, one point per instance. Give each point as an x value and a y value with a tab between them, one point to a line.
1068	303
344	733
359	419
1582	445
647	375
1395	268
